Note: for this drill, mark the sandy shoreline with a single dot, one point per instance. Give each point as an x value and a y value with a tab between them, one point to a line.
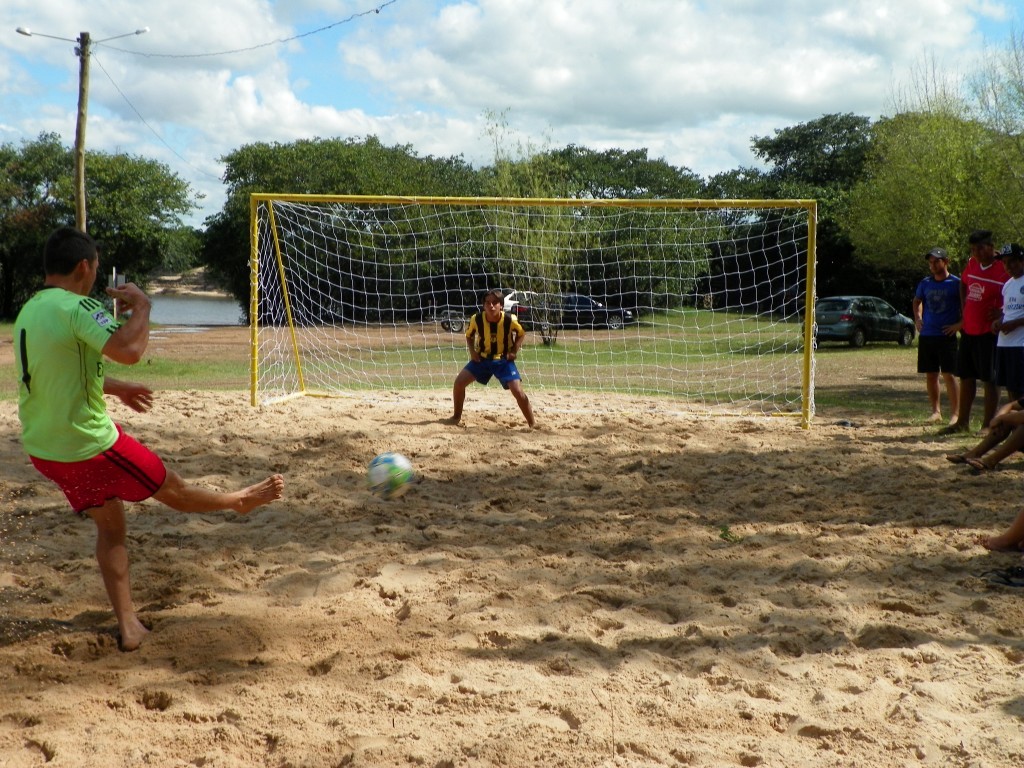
609	590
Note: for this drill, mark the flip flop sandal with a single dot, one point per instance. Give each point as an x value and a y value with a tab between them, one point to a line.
1007	577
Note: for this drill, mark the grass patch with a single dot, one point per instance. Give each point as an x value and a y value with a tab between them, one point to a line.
877	381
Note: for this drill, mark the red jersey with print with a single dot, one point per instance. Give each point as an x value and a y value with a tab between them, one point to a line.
983	295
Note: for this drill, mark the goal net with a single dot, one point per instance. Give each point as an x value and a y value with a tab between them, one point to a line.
691	304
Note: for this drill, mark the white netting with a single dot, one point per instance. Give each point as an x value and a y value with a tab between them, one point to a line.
355	294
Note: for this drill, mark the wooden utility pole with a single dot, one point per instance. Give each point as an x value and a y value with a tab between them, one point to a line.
83	50
83	109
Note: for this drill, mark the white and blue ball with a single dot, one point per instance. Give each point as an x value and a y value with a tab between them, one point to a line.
390	475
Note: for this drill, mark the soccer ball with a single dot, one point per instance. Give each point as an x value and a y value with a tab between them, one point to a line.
390	475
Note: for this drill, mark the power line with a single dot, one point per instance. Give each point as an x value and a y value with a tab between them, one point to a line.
281	41
150	127
152	130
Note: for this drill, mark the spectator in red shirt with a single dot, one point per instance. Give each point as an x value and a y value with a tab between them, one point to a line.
981	294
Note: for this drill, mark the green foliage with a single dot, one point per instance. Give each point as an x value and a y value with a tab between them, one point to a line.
829	152
999	88
132	203
35	181
725	534
183	246
615	173
135	207
317	166
925	175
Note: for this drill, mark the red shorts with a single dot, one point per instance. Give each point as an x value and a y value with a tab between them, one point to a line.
128	470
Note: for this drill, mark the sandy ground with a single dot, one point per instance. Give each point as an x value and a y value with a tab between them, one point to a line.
613	589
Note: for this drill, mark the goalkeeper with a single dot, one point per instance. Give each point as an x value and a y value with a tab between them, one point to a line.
494	338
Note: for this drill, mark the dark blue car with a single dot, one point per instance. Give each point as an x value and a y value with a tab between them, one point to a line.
580	311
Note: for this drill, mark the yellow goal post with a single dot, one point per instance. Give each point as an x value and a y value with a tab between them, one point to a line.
702	305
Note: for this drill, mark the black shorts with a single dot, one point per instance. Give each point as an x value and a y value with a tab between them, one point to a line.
1010	369
936	354
977	357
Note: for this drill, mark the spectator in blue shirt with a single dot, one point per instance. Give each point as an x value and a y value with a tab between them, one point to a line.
938	315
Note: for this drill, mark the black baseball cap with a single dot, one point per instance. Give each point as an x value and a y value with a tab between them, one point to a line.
937	253
1013	250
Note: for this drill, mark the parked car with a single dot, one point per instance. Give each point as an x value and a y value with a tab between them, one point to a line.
860	319
580	311
516	300
570	310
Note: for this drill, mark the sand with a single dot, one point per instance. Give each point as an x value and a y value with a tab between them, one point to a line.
617	588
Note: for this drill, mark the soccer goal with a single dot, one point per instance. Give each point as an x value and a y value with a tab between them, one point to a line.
688	304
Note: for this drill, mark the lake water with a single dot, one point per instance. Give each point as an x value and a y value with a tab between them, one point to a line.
194	310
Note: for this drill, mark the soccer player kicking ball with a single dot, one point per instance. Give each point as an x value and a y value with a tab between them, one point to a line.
494	338
60	339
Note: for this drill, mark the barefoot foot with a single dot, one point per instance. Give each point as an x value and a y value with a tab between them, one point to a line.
999	543
131	635
260	494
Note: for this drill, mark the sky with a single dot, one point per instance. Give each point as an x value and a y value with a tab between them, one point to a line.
692	81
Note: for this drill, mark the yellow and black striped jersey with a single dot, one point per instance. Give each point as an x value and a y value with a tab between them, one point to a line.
494	340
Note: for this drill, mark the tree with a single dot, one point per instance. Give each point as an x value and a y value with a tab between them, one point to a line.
829	152
538	243
999	89
134	202
823	160
922	188
32	204
627	174
316	166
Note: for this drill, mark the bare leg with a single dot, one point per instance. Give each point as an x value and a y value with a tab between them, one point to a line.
1013	443
1011	538
112	556
463	380
991	403
179	495
968	391
931	384
953	393
988	442
516	388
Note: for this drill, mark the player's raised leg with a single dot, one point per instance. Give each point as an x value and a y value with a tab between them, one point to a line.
179	495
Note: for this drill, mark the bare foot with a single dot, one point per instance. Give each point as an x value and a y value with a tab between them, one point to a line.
978	465
453	420
998	543
131	635
935	417
259	494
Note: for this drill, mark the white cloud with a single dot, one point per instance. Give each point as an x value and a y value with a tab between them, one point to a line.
691	81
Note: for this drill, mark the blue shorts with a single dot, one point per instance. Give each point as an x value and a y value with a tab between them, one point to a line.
505	370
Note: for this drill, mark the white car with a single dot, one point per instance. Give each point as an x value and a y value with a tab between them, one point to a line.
514	298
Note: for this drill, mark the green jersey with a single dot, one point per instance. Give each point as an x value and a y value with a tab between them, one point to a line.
58	352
